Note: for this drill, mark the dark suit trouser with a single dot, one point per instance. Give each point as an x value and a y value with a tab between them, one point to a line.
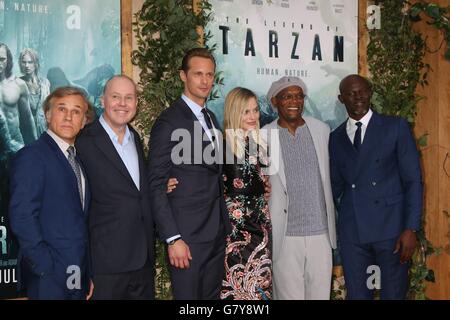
356	258
203	279
52	287
133	285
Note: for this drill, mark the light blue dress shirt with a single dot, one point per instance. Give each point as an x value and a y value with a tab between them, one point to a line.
127	150
197	110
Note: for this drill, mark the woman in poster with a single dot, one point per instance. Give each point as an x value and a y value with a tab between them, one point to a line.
38	87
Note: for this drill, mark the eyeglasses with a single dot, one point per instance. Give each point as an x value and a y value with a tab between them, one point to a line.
290	97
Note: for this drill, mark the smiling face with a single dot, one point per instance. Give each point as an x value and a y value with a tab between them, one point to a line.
67	116
198	79
120	103
355	95
289	103
250	116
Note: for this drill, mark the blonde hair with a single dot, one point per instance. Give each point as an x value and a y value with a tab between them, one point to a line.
235	103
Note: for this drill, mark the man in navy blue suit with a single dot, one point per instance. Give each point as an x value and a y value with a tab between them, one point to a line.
49	204
377	184
193	219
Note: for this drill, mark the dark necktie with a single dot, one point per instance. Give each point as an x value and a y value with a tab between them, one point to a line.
208	123
357	141
211	130
76	169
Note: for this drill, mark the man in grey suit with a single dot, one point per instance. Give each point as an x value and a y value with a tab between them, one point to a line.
301	202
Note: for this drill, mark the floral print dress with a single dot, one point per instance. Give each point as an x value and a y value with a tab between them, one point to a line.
248	257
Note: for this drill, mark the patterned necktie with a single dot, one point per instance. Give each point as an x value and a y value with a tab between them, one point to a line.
76	169
357	141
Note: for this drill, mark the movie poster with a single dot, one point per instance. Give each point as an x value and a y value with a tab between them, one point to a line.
259	41
45	44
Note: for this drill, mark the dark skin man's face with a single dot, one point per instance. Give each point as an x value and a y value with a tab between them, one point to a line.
355	95
289	103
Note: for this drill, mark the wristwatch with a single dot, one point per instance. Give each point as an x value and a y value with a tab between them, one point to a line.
173	241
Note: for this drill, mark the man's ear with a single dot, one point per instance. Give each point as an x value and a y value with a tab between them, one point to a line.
48	116
340	99
102	101
183	76
273	100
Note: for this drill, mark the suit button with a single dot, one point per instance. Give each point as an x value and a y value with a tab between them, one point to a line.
376	202
285	193
374	183
353	186
285	211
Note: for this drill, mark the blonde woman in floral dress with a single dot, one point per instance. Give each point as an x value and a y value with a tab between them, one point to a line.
248	257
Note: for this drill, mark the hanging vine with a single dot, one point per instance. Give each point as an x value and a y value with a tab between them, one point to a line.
395	58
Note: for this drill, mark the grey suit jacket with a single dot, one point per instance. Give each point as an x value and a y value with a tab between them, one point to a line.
279	198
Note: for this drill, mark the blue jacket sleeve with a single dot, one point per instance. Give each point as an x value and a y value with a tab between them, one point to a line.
160	164
27	183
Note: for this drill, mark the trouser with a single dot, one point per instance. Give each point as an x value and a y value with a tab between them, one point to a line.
303	270
362	262
132	285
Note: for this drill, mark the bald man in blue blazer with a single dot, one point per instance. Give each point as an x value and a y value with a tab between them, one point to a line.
377	184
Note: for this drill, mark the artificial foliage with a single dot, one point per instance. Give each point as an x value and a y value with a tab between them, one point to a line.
395	58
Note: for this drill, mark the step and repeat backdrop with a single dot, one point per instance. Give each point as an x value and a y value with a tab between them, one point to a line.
259	41
46	44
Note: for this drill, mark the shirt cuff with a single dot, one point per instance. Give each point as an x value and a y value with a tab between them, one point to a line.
173	238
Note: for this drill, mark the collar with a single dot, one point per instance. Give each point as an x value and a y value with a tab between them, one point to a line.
63	145
196	109
364	120
112	135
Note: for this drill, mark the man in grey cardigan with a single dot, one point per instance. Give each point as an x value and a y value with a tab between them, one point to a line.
301	202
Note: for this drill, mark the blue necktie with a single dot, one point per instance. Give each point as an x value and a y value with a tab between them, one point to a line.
357	140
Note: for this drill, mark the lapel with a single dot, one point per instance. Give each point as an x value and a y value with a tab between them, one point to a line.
105	145
66	168
344	141
190	120
275	151
87	191
370	143
142	166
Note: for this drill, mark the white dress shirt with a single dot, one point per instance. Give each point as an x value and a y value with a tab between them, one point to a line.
197	111
351	126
